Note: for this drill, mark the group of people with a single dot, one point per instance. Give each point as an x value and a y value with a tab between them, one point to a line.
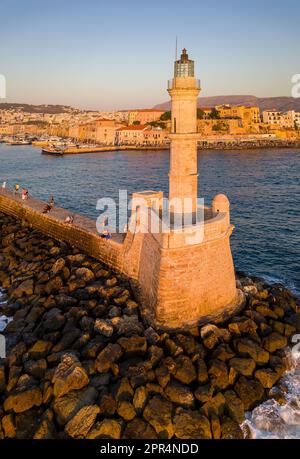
105	234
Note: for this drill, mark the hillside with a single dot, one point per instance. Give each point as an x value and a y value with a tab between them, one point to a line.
264	103
28	108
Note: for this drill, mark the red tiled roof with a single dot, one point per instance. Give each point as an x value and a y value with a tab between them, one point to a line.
147	110
139	127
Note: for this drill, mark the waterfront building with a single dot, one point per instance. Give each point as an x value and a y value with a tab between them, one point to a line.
248	115
142	135
144	116
272	117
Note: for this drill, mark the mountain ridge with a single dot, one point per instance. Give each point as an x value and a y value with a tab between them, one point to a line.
283	103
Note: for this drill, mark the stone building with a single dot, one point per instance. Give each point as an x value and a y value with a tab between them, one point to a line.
248	115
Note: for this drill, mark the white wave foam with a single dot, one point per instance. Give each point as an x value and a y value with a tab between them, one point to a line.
4	320
272	420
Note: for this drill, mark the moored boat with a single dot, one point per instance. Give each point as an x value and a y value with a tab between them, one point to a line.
52	151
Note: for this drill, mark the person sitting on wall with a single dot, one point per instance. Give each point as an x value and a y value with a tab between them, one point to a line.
3	185
16	188
25	194
105	235
52	203
46	209
69	219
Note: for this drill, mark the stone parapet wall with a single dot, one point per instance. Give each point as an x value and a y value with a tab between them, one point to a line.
82	234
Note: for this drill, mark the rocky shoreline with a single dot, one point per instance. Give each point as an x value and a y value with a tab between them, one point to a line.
247	145
81	362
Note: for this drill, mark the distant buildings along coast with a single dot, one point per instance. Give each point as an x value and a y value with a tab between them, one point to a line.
145	127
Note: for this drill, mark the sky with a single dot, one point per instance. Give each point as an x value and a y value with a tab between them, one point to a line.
118	54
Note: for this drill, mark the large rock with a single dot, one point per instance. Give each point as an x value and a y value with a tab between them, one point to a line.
103	328
46	429
134	346
214	406
107	405
202	371
138	429
140	399
39	350
234	406
82	422
274	341
189	345
58	266
69	375
107	357
247	347
126	410
23	398
185	370
231	430
204	393
244	367
85	274
191	425
36	368
108	428
125	391
218	373
2	378
179	394
8	426
68	405
250	391
267	377
25	288
210	335
158	413
162	374
53	320
223	352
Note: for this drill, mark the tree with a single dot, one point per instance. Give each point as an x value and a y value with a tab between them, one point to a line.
200	114
220	127
214	115
165	116
160	124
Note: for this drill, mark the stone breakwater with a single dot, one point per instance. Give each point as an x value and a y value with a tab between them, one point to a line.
81	363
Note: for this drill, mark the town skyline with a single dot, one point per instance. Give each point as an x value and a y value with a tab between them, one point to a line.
107	56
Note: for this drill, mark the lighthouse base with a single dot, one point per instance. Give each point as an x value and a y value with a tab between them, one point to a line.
185	278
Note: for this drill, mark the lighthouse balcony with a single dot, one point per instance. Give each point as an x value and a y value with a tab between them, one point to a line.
184	83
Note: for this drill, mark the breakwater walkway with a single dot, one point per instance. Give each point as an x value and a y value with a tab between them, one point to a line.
82	233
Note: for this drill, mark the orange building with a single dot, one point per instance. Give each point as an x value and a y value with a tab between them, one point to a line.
144	116
101	131
142	135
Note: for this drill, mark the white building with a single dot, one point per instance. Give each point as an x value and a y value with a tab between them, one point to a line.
272	117
288	119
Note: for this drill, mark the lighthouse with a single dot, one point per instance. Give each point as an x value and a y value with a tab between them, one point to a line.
184	89
184	275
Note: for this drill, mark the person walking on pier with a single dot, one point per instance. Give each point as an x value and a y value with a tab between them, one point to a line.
25	194
52	202
16	188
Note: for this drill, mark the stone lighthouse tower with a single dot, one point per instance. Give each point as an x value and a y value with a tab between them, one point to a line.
184	90
184	275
